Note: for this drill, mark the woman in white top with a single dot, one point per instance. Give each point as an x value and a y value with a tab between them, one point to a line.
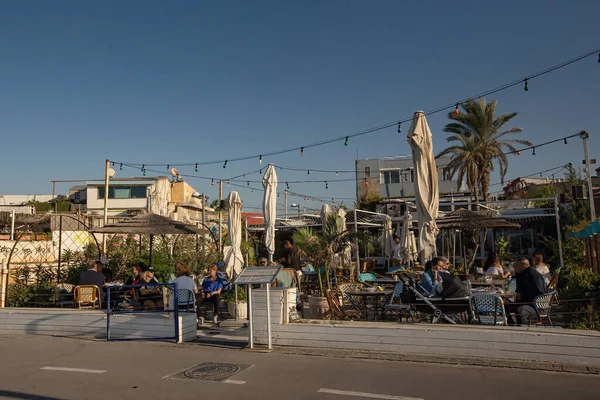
184	282
538	264
493	267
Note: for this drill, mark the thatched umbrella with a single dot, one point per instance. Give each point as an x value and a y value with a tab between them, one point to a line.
465	220
150	224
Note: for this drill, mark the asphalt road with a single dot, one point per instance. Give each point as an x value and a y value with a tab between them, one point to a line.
55	368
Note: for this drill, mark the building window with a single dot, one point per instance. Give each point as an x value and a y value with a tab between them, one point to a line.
77	195
123	192
392	176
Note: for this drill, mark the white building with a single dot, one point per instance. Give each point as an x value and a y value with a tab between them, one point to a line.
393	177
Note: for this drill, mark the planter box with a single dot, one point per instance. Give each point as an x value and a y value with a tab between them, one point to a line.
242	309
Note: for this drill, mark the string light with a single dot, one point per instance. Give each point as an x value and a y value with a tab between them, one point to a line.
308	172
526	88
565	140
326	185
599	57
212	182
248	183
346	142
456	112
518	153
196	168
534	151
225	164
228	182
260	172
366	183
287	185
121	167
113	164
167	167
301	151
399	128
260	159
144	172
336	174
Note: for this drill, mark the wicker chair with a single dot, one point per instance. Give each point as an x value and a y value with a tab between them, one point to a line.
512	285
63	295
88	296
542	305
488	309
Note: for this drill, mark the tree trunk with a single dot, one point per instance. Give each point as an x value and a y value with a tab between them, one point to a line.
485	183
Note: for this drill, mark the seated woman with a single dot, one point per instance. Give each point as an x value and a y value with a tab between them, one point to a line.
184	282
211	291
427	279
150	296
492	266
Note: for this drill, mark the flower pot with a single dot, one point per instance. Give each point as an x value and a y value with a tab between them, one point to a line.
319	308
242	309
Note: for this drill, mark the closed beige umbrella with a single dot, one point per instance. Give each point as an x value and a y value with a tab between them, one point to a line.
426	184
269	182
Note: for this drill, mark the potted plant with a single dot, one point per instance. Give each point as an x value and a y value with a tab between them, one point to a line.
242	306
320	248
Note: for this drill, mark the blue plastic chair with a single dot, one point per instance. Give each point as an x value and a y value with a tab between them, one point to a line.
366	276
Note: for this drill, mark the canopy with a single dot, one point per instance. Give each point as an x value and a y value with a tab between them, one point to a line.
466	219
232	255
426	184
407	239
388	237
589	231
269	182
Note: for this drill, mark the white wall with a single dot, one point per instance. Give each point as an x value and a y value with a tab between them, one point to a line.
114	205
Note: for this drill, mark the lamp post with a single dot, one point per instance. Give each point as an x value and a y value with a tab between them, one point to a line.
585	136
294	205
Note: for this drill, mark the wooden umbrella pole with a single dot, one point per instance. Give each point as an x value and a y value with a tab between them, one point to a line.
151	244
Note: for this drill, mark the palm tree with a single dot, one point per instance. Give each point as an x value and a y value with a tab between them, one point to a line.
482	141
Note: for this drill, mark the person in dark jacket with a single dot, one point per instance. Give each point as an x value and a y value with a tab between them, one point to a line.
530	284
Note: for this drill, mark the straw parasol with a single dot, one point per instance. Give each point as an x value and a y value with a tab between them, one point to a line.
150	224
464	219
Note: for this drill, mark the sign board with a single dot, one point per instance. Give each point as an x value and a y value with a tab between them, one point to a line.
257	275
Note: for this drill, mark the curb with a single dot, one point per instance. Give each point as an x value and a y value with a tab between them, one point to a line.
462	361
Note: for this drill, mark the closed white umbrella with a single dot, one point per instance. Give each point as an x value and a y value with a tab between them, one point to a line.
426	184
388	237
347	252
232	255
407	239
269	182
325	211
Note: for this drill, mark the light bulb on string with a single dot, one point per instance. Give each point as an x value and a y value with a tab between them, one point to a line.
228	182
121	167
212	182
526	88
326	185
366	183
399	127
287	185
260	171
346	142
144	171
260	159
113	164
518	153
565	140
599	57
143	167
336	174
248	183
167	167
196	167
534	151
456	112
225	164
308	172
301	151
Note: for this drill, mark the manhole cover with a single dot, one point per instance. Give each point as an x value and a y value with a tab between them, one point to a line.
210	371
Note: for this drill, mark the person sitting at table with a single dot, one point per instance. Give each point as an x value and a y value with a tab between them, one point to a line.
92	276
211	291
185	282
427	278
537	261
446	285
136	275
530	284
150	296
493	267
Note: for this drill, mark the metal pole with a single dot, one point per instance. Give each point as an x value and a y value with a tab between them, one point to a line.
558	235
250	324
246	239
203	221
356	245
53	199
236	299
585	136
59	246
12	225
269	314
220	218
106	167
285	201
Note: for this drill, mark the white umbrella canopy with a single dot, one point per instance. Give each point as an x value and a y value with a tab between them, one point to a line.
269	182
232	255
388	237
347	252
325	211
426	184
407	239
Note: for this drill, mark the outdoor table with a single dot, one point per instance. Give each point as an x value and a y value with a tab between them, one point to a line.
405	272
382	281
365	294
499	283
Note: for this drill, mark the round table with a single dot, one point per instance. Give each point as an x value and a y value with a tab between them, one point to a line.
382	281
499	283
364	294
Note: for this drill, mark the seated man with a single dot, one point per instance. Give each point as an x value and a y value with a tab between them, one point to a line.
223	277
211	291
150	296
530	284
93	277
446	285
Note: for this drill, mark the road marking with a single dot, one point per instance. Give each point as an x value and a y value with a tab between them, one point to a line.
234	382
87	371
369	395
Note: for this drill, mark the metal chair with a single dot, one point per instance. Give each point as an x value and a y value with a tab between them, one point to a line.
63	294
542	305
512	285
366	276
287	278
186	300
351	303
488	309
88	296
401	308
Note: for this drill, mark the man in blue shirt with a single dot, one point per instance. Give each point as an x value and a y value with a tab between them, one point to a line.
211	291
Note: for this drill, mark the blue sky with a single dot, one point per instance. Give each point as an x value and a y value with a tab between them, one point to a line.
187	81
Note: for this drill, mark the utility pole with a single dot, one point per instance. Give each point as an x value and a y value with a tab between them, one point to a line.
53	191
203	219
285	202
585	136
220	217
106	168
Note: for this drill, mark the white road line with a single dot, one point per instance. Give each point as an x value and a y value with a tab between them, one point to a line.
87	371
234	382
368	395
